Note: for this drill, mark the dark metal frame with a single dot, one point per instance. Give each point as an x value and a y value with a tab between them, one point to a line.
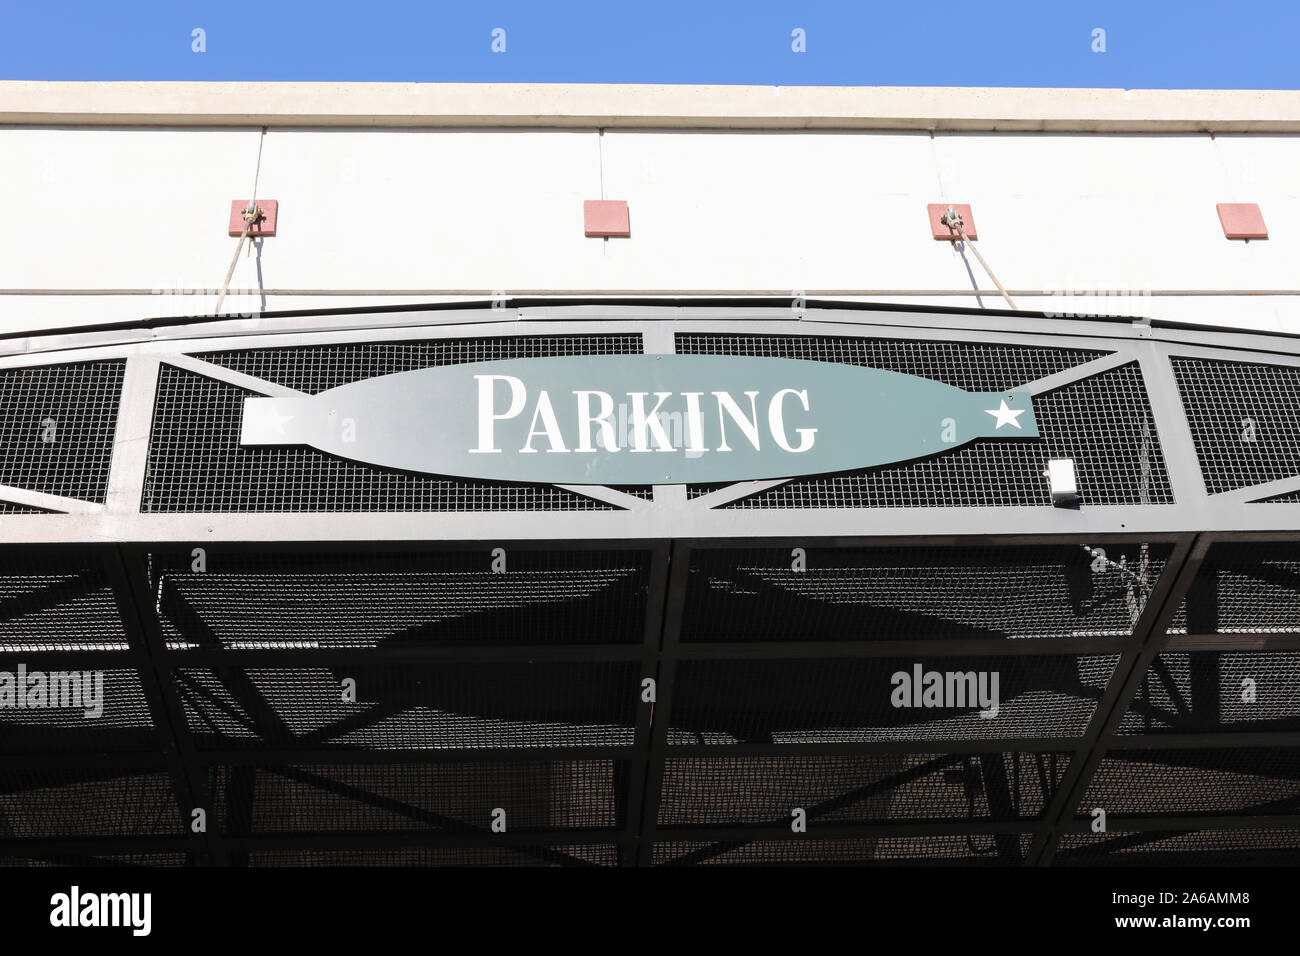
669	528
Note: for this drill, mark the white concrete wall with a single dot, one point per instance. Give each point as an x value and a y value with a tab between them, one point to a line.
452	213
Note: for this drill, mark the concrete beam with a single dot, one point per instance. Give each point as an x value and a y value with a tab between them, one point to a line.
433	105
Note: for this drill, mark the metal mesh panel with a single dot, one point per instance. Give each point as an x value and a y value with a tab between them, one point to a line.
75	711
1192	693
1243	588
1103	423
861	699
596	854
196	463
866	788
319	600
1180	848
9	508
41	859
67	803
944	849
414	706
1244	418
56	427
316	368
1241	780
919	593
644	492
1289	498
451	797
699	491
974	366
54	601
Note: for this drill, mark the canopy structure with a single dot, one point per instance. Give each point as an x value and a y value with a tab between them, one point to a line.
215	652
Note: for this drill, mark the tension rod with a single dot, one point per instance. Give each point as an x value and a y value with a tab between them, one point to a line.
952	219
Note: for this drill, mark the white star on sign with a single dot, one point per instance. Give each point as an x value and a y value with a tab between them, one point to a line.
278	420
1006	416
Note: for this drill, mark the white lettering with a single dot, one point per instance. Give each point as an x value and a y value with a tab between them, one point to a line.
641	422
727	405
93	910
586	420
549	423
487	415
776	421
694	424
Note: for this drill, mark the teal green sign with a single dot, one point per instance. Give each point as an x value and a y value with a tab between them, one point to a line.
638	419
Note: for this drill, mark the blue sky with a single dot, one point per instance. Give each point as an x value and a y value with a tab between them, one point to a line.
1242	44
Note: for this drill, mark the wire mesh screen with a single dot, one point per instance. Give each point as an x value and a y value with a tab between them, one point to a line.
196	463
56	600
1249	846
10	508
45	858
316	368
672	693
305	600
56	427
862	699
1207	691
599	854
528	796
67	710
938	849
1104	423
1226	780
85	801
1290	498
1244	418
866	788
974	366
921	594
413	706
1244	588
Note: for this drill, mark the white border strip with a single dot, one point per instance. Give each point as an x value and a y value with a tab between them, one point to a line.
612	106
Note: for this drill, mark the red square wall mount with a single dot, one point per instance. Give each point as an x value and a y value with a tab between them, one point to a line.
1242	220
937	210
606	218
265	224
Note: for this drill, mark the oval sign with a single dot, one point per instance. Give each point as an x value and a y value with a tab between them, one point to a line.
638	419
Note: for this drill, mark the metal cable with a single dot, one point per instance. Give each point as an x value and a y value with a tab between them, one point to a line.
953	221
250	216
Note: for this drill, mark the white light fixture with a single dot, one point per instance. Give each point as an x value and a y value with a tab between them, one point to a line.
1061	478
